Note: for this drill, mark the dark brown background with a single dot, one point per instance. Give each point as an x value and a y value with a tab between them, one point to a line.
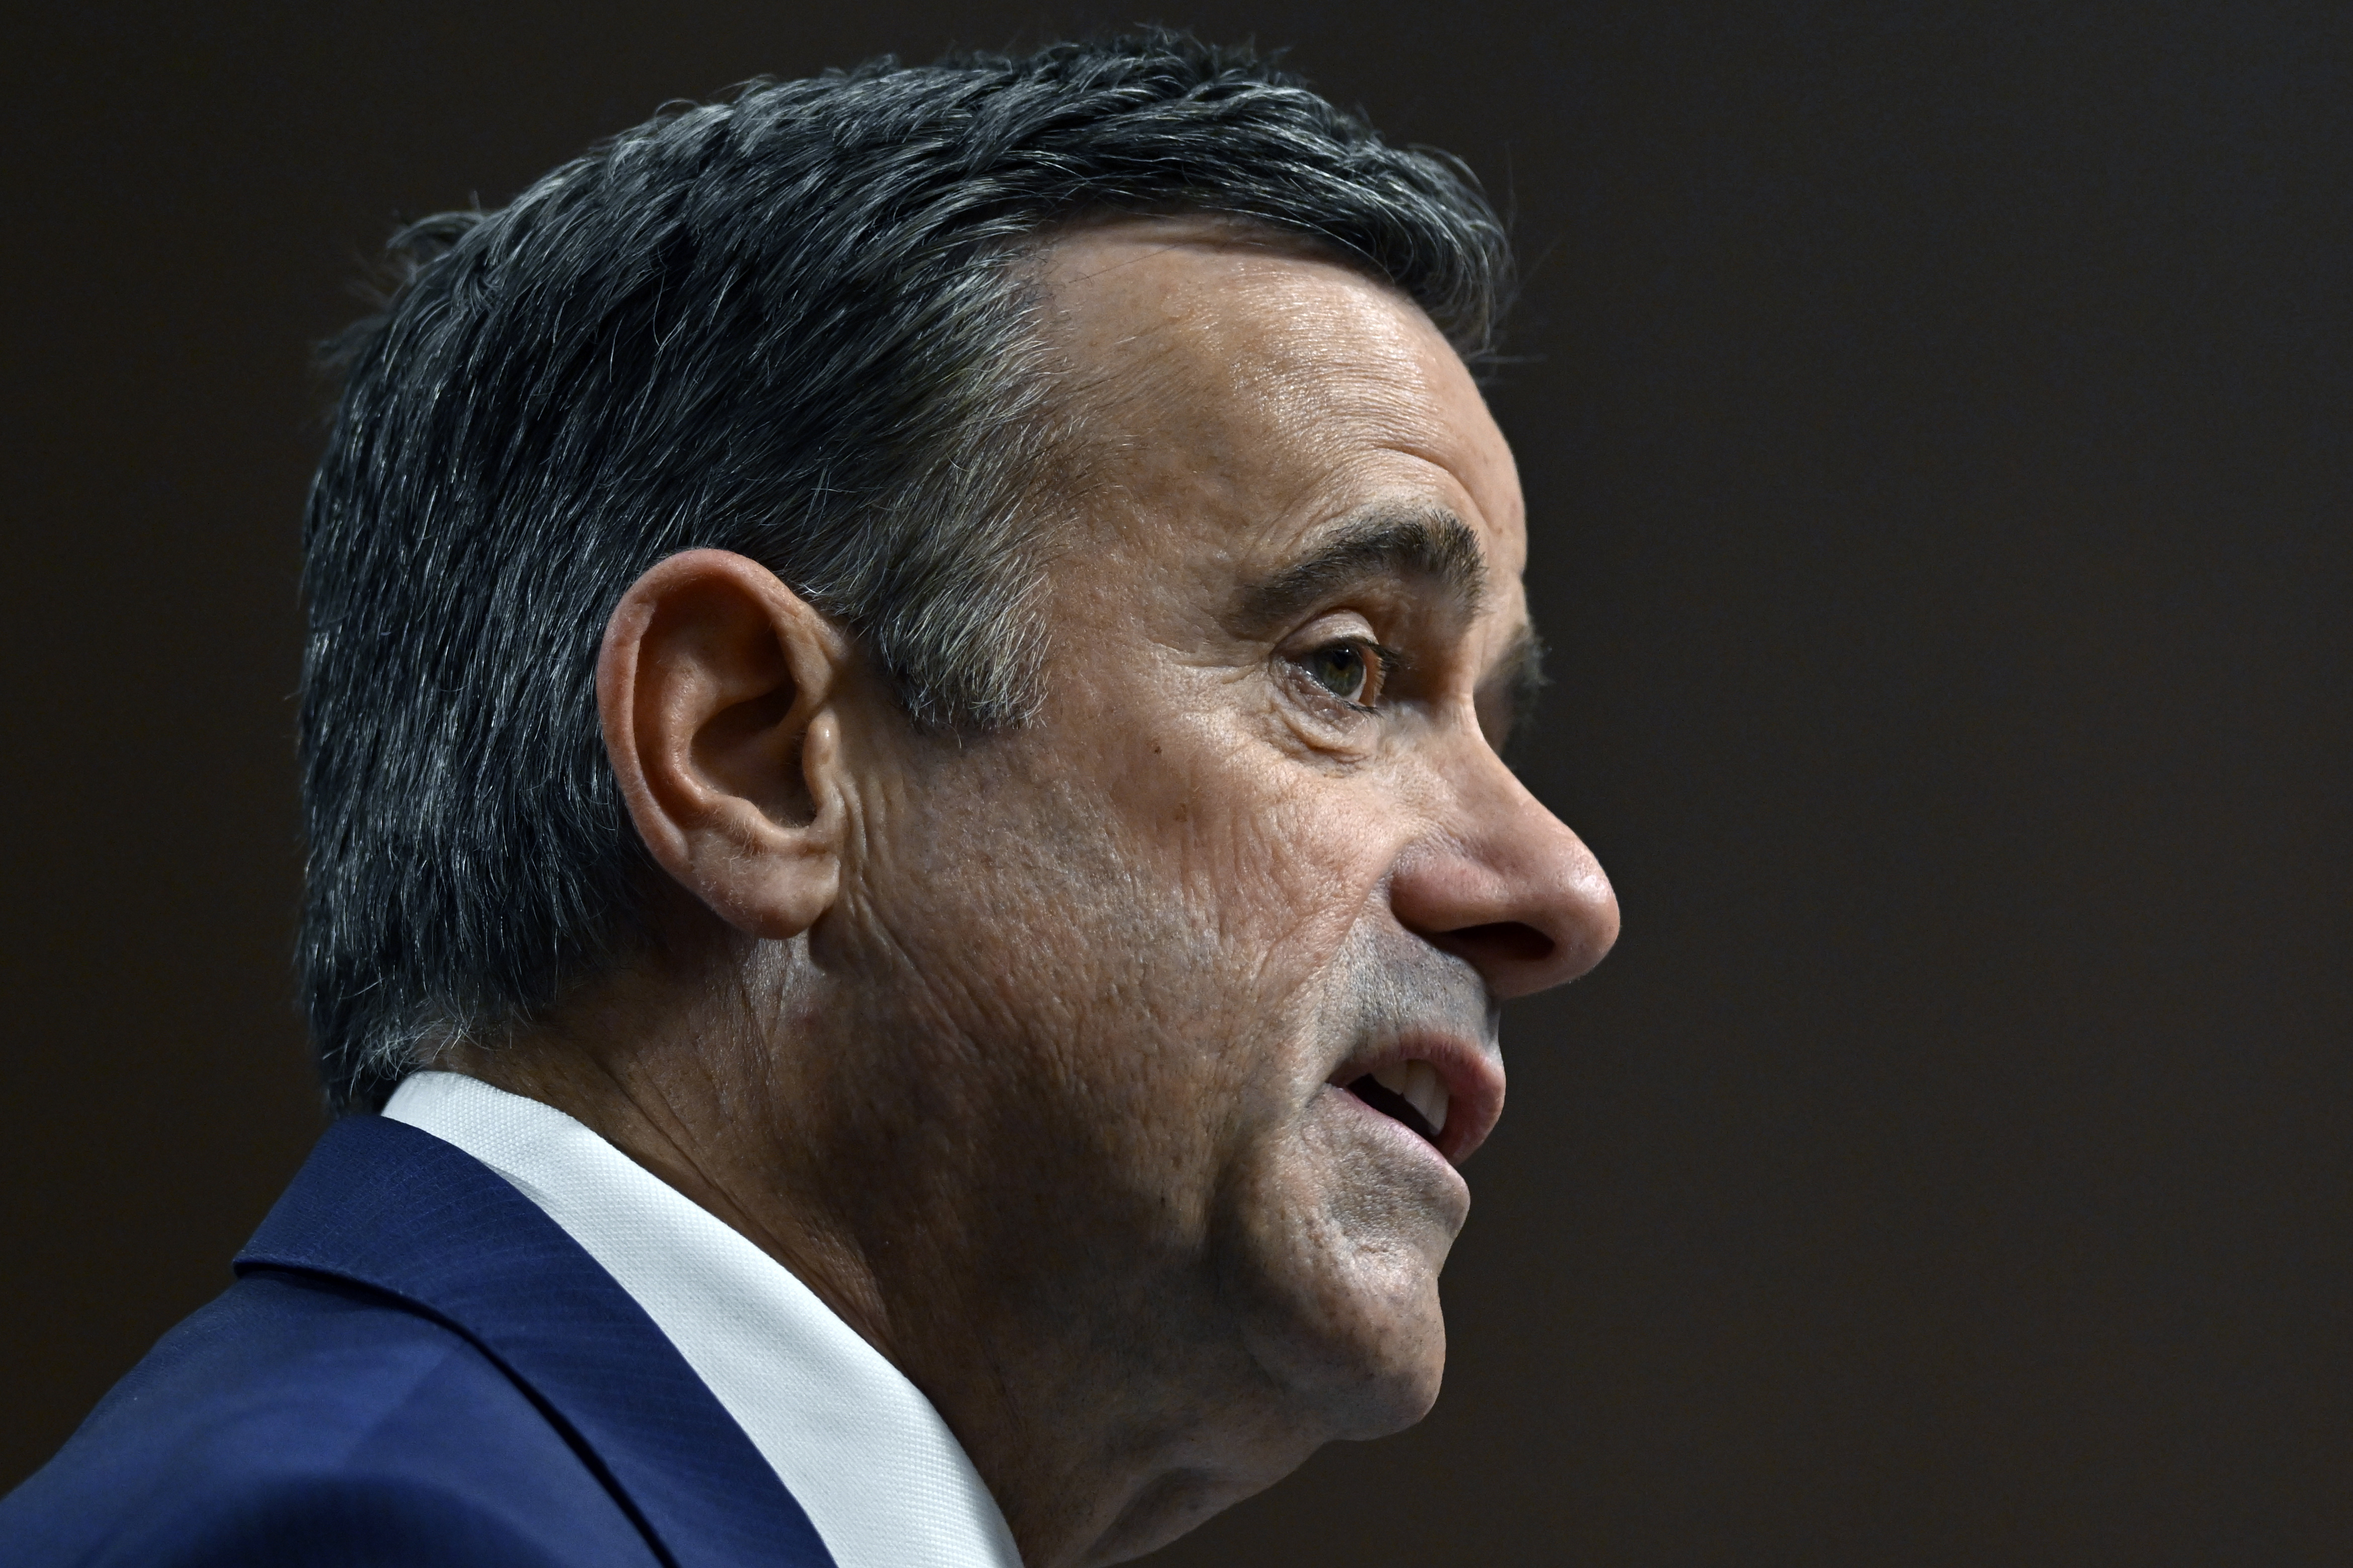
1936	420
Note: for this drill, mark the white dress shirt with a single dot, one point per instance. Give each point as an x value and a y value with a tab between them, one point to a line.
878	1472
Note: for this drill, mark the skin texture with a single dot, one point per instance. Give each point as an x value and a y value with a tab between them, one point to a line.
1026	1052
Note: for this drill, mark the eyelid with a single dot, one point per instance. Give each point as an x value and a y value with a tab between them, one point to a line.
1328	626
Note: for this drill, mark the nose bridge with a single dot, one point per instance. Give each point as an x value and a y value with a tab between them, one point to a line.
1502	881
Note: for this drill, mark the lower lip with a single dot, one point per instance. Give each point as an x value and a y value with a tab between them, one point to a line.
1396	1131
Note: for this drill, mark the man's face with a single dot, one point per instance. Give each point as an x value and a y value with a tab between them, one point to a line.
1257	848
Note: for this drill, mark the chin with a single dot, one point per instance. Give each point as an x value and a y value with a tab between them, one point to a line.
1351	1335
1365	1385
1398	1368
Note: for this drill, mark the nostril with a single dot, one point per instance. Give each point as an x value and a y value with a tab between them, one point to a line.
1506	939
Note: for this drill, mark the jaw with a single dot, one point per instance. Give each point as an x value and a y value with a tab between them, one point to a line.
1338	1335
1163	1275
1304	1311
1188	1486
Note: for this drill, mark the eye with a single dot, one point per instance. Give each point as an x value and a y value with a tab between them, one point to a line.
1352	670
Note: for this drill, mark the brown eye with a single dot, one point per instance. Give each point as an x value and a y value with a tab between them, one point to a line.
1348	670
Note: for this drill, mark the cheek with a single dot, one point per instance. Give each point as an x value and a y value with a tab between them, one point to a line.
1138	963
1100	956
1264	879
1277	860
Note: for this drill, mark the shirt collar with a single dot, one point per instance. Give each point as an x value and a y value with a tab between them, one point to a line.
867	1456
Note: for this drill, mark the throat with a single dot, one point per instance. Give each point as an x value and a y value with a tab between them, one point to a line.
1392	1104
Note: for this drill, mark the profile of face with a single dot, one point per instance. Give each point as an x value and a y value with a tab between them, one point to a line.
1156	1030
1214	946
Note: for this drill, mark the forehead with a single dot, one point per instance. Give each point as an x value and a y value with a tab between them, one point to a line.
1259	390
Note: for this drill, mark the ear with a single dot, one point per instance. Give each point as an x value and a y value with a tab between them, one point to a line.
718	687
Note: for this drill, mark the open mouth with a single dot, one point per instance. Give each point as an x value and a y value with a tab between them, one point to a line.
1411	1092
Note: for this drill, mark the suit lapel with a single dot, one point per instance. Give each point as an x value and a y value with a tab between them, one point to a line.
395	1209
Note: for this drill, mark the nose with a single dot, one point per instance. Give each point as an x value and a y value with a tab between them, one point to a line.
1504	884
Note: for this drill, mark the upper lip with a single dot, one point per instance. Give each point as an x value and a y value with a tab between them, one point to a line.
1473	1080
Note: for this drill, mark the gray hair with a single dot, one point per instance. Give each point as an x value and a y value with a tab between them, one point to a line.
797	324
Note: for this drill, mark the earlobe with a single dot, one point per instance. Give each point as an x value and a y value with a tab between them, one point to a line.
717	690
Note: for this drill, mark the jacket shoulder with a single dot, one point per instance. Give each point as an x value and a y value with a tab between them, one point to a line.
300	1419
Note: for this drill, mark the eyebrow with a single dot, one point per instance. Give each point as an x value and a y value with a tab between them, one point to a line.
1423	541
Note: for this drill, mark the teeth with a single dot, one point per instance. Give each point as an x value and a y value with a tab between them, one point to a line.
1422	1088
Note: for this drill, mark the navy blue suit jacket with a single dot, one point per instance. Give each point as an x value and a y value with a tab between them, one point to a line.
415	1366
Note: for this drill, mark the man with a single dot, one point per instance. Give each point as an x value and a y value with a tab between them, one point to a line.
907	846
